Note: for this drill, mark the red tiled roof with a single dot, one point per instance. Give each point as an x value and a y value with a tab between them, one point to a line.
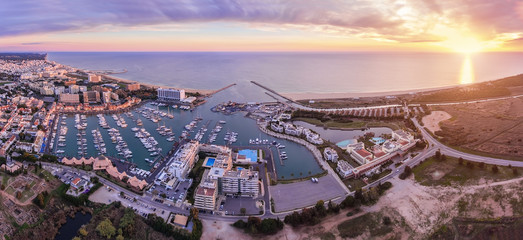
364	153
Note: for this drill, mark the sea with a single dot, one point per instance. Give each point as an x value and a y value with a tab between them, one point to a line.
283	72
301	72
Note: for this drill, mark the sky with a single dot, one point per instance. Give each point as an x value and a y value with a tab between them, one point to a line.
261	25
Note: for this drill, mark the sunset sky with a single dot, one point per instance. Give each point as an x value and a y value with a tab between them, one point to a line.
271	25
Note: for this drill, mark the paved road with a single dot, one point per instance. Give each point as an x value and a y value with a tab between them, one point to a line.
455	153
432	147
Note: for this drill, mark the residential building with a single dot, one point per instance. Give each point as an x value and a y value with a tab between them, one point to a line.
243	182
93	78
133	87
91	97
205	198
69	98
330	154
74	89
344	169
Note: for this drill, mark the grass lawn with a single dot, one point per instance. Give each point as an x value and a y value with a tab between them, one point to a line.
433	172
395	125
47	175
376	177
26	195
354	184
10	190
371	222
356	124
5	179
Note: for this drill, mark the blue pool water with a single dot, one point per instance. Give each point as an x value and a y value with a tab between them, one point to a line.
344	143
252	154
210	162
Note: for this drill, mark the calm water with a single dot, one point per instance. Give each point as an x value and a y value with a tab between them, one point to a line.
70	228
336	135
300	160
285	72
302	72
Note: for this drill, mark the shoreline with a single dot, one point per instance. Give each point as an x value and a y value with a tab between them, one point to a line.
296	96
154	86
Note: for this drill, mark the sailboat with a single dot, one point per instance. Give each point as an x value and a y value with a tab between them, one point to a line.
169	115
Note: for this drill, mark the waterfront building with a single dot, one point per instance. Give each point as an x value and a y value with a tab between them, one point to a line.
180	164
344	169
93	78
312	137
133	87
277	127
291	129
91	97
330	154
243	182
167	94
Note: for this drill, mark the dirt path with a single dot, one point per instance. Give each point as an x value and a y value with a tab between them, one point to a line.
431	121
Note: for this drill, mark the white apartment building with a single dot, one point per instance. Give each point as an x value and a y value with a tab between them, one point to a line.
330	155
344	168
243	182
167	94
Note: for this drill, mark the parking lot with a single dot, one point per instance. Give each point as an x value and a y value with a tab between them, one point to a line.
177	194
233	205
306	193
108	195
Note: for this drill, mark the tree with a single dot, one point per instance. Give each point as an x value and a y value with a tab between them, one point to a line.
438	155
320	208
194	213
481	165
18	195
243	211
495	169
386	220
470	164
119	237
443	157
106	228
82	232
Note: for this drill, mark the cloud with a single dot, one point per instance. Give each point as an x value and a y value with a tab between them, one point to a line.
31	43
396	20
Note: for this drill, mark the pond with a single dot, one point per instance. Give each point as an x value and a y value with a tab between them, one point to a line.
70	229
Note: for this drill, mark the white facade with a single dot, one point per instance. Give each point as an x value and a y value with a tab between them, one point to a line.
167	94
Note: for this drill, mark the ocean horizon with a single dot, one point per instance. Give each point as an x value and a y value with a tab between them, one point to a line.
302	72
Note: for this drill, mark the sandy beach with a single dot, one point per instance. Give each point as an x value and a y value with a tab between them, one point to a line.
340	95
189	90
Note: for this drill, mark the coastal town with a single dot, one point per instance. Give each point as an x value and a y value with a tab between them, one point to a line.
156	151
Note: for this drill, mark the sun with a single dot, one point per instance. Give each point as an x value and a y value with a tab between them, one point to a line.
463	44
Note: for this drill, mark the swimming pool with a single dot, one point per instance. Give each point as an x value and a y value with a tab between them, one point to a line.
343	144
252	154
210	162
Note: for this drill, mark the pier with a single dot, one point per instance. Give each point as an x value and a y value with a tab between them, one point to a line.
221	89
272	91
